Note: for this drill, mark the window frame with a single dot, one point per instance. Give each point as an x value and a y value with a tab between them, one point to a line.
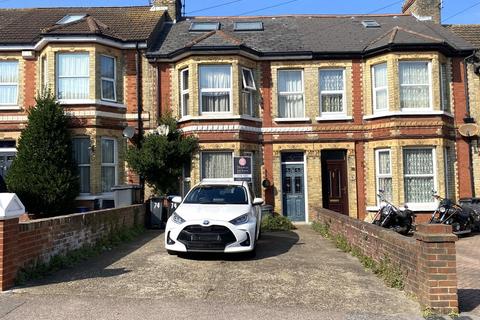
58	77
183	92
10	84
287	93
114	164
215	90
421	205
326	114
44	67
430	91
375	89
84	165
215	179
379	175
113	80
249	91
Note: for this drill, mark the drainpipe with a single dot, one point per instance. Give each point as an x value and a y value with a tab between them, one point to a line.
138	68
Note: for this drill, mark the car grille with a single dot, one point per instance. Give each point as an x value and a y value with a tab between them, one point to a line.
210	238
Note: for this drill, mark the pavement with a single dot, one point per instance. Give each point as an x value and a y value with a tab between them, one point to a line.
468	274
296	275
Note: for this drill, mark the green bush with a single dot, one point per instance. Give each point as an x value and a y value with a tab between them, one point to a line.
277	223
43	174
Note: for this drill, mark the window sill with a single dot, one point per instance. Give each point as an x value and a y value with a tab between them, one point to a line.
91	101
334	118
219	117
408	113
291	119
8	108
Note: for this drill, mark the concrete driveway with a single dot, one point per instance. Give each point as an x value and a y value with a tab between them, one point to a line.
295	275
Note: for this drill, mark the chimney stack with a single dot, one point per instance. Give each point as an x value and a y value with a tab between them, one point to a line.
424	9
173	8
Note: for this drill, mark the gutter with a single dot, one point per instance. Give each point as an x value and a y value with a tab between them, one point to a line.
138	68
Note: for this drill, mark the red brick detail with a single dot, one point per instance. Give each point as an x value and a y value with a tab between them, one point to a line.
8	252
165	85
266	90
357	91
29	88
130	81
361	190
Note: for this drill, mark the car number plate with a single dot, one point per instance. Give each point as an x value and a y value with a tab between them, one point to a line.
206	237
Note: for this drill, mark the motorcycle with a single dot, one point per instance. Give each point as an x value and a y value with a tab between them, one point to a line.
462	219
391	217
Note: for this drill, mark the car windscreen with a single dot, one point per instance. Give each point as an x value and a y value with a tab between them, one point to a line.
217	195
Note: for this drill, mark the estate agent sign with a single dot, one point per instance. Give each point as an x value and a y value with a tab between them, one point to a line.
242	168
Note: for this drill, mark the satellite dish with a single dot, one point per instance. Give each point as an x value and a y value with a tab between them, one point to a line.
129	132
468	129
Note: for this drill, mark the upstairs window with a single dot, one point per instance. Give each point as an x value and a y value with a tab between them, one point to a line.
332	91
184	91
445	87
44	78
415	85
248	92
290	94
81	154
108	78
73	79
8	83
380	87
215	88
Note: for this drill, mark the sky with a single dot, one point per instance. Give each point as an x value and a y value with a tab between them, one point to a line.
454	11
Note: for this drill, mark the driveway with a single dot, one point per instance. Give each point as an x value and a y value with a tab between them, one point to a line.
295	275
468	273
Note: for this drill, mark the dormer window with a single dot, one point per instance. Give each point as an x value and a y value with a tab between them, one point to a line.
204	26
69	18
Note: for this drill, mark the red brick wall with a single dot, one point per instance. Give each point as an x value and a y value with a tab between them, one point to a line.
165	85
427	260
130	81
29	89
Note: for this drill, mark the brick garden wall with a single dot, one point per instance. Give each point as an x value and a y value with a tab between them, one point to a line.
24	243
427	260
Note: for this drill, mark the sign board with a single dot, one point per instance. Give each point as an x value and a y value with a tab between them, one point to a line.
242	168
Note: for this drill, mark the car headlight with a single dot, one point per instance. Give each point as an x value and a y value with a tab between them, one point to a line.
442	209
240	220
177	219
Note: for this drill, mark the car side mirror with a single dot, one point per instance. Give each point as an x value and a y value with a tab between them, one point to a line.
177	200
257	201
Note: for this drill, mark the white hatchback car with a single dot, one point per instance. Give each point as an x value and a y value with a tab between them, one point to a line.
215	217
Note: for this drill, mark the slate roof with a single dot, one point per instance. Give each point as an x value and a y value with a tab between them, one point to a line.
27	26
314	34
469	32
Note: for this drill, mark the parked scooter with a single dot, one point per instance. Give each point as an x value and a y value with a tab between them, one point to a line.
462	219
391	217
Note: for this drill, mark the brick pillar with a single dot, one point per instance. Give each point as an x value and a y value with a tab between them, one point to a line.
8	251
437	273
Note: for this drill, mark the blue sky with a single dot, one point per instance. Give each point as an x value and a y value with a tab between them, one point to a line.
451	8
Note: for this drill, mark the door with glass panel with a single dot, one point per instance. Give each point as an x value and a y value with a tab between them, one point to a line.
293	187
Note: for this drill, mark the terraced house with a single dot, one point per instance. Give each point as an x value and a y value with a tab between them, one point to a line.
331	109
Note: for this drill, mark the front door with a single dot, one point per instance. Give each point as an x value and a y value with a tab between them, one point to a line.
335	188
293	189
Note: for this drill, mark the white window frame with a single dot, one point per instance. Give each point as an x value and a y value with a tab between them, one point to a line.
215	90
14	104
201	165
183	92
377	89
58	77
418	206
85	165
430	92
114	164
343	113
445	91
379	175
288	93
113	80
44	67
250	91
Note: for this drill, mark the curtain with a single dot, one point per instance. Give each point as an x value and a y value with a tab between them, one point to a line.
290	100
108	165
418	171
384	173
215	84
108	151
217	165
81	153
380	86
73	76
445	87
8	82
331	87
414	85
108	178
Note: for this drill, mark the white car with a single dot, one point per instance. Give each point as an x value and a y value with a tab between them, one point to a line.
215	217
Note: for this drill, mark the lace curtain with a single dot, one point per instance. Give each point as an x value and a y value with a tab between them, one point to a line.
8	82
384	174
380	86
414	85
108	165
73	76
81	153
215	85
290	88
217	165
418	175
331	90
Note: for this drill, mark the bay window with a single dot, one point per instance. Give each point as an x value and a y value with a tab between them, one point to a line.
380	87
109	164
217	165
332	92
248	91
73	76
215	88
184	92
419	174
444	87
290	94
415	85
44	77
383	161
108	78
81	154
8	83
